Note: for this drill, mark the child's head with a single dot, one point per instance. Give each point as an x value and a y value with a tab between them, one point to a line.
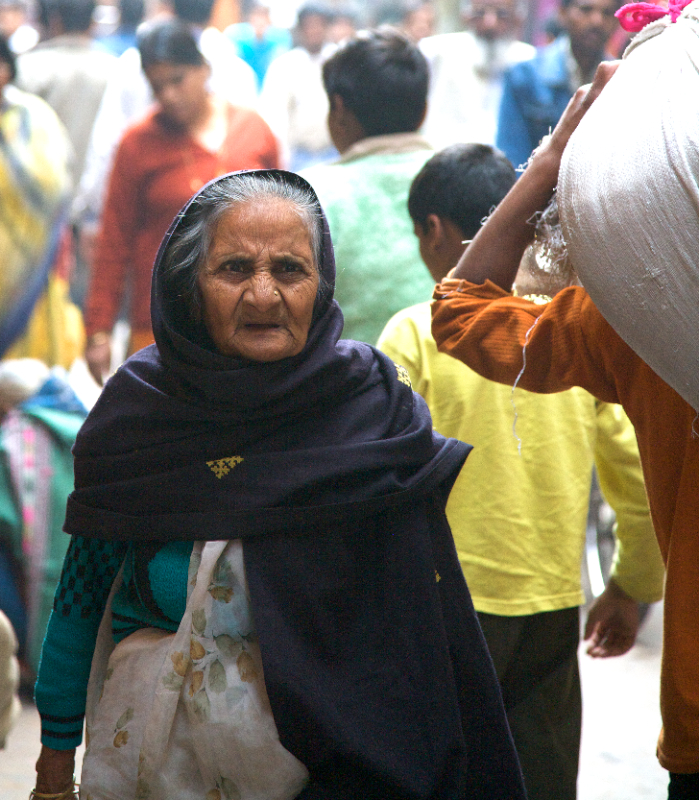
451	195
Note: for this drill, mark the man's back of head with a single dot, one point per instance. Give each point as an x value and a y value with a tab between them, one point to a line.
451	196
66	16
462	183
196	12
380	78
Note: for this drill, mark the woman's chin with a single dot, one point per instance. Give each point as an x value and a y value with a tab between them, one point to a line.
270	345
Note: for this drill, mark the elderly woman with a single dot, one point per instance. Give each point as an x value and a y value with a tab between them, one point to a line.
289	618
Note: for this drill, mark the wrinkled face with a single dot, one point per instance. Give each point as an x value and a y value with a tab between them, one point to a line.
180	89
493	19
259	282
590	23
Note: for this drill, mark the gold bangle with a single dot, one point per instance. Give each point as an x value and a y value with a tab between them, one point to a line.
99	338
71	793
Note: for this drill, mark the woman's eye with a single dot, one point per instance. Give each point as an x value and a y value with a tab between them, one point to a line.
233	266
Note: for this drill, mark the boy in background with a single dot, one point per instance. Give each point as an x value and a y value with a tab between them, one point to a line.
518	510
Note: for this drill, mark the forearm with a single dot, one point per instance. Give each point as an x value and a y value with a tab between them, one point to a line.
54	770
497	249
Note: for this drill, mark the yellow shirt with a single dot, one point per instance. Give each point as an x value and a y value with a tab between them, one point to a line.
518	510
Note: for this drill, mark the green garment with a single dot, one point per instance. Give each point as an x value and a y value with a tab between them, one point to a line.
379	269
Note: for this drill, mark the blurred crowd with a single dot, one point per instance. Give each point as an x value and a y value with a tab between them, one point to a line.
112	117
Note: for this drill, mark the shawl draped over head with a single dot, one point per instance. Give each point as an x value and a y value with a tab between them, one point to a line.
326	464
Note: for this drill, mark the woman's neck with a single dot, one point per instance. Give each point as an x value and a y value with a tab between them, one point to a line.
209	130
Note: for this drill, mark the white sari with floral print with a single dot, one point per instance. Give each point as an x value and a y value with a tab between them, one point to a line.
186	715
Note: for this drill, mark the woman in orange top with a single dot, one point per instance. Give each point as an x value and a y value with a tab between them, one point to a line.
190	137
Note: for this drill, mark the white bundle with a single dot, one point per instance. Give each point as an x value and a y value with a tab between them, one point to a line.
628	197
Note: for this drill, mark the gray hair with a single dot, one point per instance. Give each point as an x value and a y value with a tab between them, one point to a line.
189	246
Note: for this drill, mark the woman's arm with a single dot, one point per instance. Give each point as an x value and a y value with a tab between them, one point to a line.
497	248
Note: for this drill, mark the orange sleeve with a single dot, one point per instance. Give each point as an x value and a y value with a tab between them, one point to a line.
545	348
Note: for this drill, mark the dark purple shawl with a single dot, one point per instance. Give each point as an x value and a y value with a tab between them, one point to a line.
327	464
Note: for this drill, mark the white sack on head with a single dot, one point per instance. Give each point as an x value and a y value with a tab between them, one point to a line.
628	196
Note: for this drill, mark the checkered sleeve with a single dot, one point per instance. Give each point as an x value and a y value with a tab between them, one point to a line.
89	570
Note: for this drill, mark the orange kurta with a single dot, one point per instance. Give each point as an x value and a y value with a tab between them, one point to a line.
569	343
156	170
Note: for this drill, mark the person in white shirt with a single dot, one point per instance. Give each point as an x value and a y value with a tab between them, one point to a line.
466	72
293	101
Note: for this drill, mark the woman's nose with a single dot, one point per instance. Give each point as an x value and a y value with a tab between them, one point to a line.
262	292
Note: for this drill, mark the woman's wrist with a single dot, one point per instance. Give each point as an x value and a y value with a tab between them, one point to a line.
54	773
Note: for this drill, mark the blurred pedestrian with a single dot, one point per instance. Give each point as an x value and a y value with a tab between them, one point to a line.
41	416
257	41
131	13
68	64
10	706
37	318
377	89
17	26
466	71
191	136
537	91
292	99
128	97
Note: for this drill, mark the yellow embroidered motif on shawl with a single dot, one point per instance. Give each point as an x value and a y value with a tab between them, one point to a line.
403	376
223	466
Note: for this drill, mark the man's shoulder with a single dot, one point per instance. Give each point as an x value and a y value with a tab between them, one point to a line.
547	64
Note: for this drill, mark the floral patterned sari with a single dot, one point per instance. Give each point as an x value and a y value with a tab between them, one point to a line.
186	715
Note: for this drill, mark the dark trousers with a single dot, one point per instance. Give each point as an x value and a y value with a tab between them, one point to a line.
536	661
683	787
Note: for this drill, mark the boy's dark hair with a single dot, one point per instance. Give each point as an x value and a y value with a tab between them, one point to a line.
382	78
196	12
75	15
462	183
313	10
131	12
8	57
168	41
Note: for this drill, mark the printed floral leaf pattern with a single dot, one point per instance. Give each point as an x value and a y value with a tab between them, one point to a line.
173	681
125	718
223	572
228	646
246	667
197	681
230	790
121	739
223	594
201	706
180	662
217	677
196	650
142	789
199	621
